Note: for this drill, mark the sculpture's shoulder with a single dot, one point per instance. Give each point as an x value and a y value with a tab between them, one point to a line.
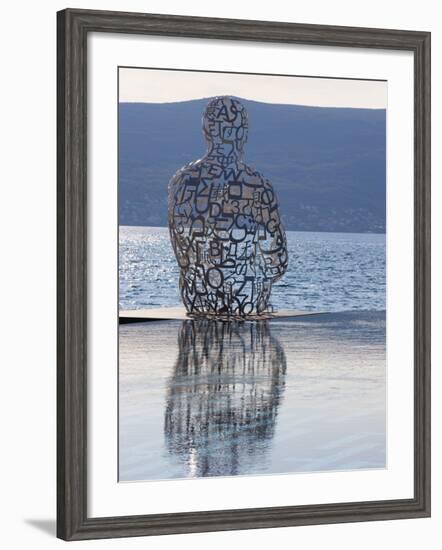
191	169
187	174
256	179
249	173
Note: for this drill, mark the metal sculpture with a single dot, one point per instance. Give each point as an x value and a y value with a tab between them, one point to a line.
224	223
223	397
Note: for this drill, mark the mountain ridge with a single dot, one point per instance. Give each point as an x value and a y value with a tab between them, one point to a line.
327	164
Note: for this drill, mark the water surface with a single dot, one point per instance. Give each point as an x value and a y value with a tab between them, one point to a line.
201	399
327	271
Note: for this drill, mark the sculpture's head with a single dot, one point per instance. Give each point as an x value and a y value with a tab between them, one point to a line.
225	121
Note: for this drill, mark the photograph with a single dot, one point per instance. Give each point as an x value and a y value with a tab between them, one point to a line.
251	274
243	274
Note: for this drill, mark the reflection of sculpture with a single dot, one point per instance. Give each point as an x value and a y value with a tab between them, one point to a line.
223	397
224	222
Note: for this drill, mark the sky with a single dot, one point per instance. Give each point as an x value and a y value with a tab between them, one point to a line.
138	85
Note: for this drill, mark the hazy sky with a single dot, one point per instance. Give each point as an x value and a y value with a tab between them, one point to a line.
165	86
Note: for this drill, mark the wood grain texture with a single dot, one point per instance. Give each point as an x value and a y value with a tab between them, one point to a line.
72	28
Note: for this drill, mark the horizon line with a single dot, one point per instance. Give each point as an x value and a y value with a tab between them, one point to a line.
287	230
207	98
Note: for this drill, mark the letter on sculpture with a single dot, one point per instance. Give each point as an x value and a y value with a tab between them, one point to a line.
224	223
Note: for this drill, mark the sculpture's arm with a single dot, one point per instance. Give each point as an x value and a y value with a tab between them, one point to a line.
271	235
186	225
178	219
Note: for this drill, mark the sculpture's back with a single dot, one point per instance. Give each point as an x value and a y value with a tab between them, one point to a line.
224	223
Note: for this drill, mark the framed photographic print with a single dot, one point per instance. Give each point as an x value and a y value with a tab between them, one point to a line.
243	274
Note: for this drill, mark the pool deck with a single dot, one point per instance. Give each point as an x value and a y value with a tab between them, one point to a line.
179	314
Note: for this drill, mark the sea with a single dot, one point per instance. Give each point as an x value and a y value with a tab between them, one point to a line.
327	271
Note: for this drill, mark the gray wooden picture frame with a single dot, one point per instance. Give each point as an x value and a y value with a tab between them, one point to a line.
73	27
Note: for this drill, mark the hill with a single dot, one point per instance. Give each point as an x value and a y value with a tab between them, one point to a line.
328	165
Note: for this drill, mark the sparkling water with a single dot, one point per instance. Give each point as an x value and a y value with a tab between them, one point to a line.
327	271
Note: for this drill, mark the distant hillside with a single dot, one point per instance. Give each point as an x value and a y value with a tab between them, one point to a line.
327	165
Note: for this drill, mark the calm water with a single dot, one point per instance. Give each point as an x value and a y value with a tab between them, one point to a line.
206	398
327	271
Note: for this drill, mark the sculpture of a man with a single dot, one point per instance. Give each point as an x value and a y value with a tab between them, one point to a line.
224	223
